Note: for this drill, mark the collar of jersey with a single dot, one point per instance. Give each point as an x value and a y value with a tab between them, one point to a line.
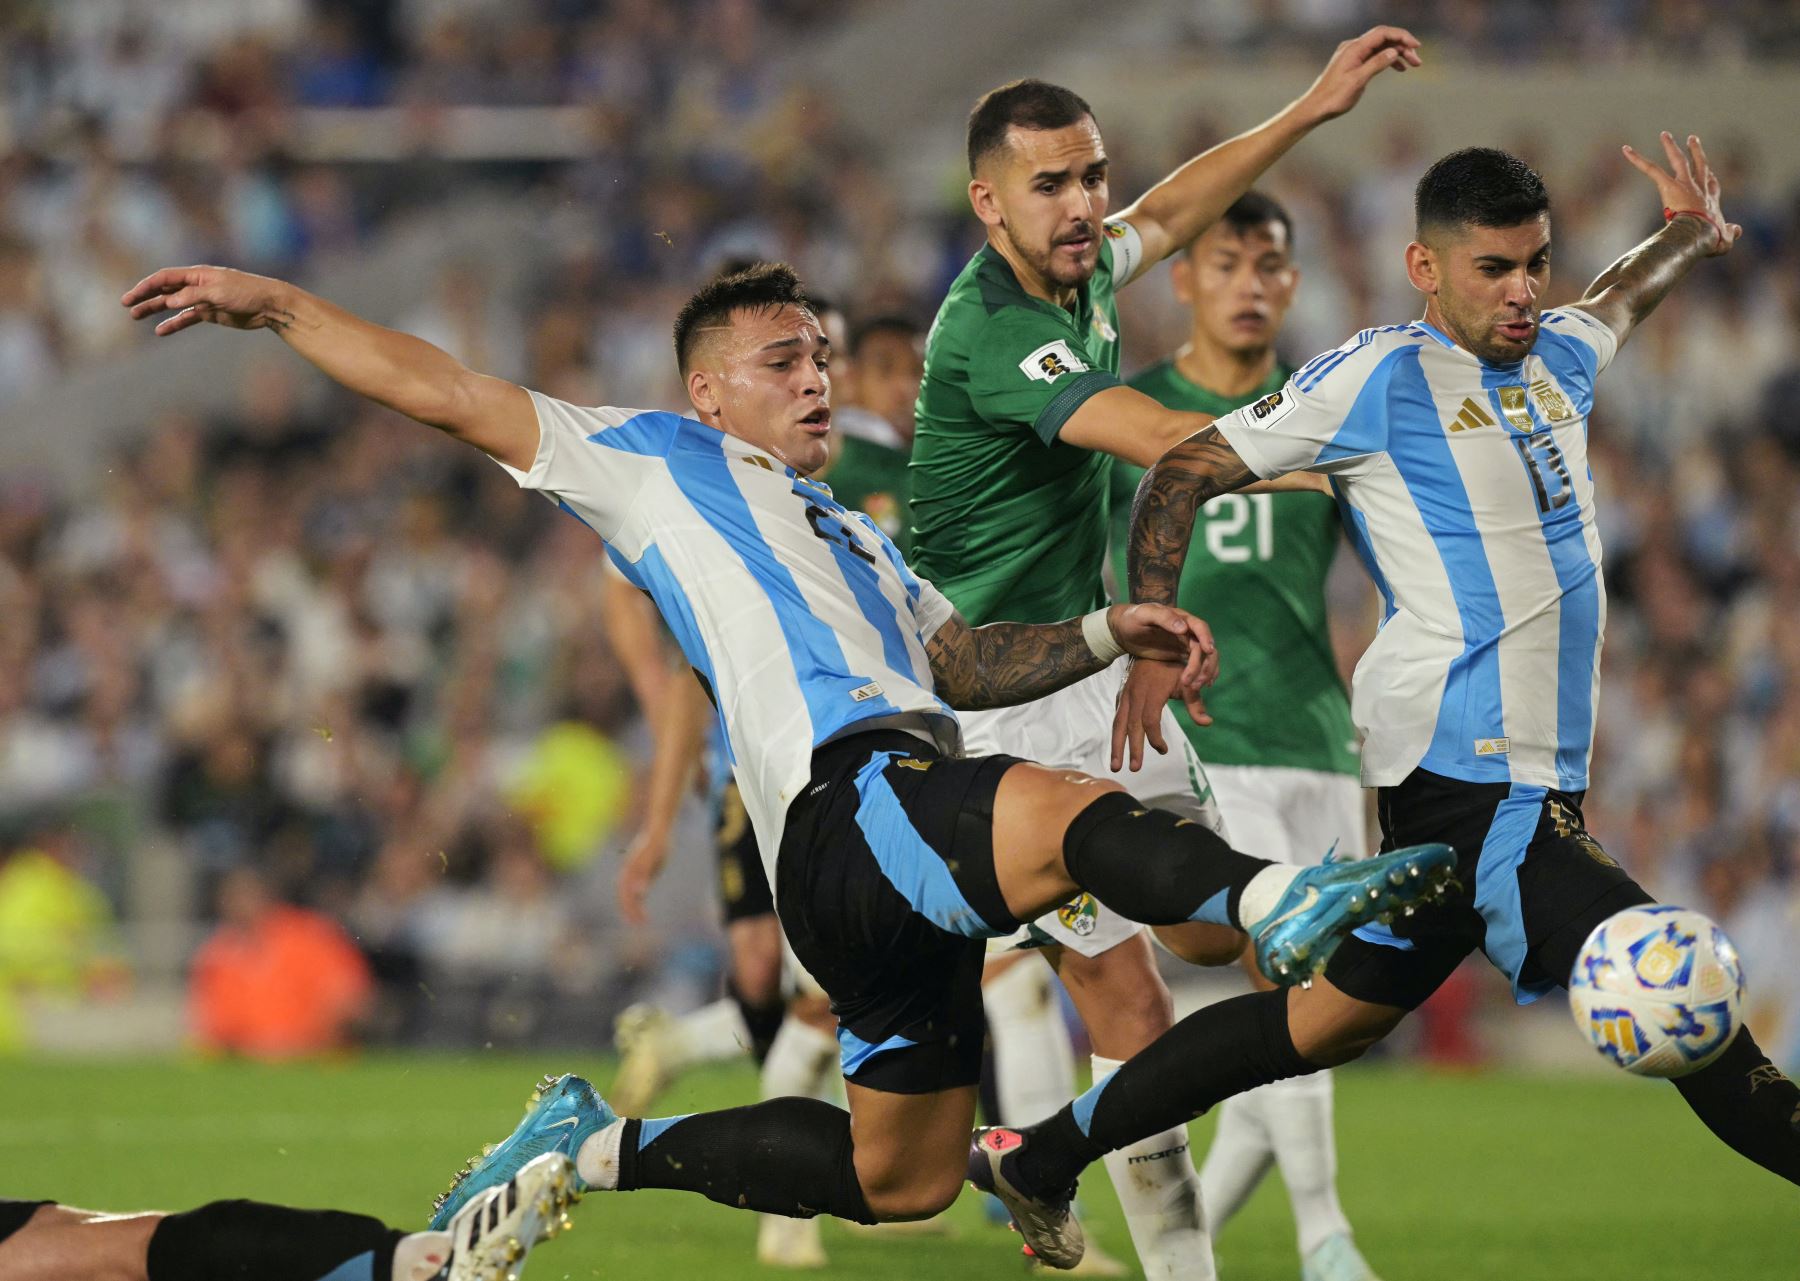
744	449
1447	341
1082	295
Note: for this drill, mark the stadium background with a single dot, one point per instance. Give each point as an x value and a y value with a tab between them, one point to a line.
248	626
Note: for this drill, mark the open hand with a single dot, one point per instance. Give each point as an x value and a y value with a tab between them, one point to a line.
1688	187
1353	65
215	295
1137	719
642	865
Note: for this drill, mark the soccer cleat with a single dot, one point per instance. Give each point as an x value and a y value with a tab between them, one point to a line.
562	1113
494	1231
1323	904
1052	1232
782	1242
645	1038
1337	1259
1096	1262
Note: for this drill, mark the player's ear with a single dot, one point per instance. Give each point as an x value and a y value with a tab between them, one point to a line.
1422	267
1181	278
702	394
983	201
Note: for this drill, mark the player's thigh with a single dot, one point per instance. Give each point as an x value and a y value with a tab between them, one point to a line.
60	1241
1567	884
911	1150
1033	808
1122	1000
887	896
1330	1026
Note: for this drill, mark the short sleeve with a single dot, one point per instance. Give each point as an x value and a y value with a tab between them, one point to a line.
1028	370
1330	417
931	609
1576	346
594	461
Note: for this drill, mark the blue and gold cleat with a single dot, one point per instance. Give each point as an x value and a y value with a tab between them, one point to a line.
1323	904
563	1112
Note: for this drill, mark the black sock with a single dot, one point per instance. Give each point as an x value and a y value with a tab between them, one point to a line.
1209	1056
1747	1102
1154	866
782	1156
235	1240
763	1020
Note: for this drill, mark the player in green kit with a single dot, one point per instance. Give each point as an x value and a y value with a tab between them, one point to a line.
1280	749
1020	415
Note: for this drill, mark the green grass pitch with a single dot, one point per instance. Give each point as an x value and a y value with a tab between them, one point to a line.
1493	1177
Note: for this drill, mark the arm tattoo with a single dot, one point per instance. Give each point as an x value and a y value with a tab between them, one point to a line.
279	321
1629	290
1162	515
1007	663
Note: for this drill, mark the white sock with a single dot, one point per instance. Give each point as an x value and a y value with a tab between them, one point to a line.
1034	1058
802	1061
421	1255
1160	1195
1263	892
597	1159
1298	1114
1238	1159
711	1034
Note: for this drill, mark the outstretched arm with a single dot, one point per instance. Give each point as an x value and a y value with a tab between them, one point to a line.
1629	290
1003	664
1187	202
404	373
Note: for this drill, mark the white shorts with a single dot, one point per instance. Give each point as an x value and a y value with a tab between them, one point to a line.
1292	815
1072	729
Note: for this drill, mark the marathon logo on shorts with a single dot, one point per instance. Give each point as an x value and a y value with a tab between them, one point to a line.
1052	361
1493	746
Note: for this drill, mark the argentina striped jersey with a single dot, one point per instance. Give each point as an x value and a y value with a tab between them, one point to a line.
801	617
1466	491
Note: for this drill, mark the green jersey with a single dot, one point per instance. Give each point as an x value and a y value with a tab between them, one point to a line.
1256	574
870	477
1008	521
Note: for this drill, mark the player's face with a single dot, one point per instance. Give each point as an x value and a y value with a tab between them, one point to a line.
1046	193
1238	285
1488	283
888	369
766	380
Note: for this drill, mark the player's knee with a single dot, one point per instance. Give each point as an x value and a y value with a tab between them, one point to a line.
918	1195
1346	1036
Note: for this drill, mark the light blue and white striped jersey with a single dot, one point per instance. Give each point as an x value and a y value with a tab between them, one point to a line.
801	617
1466	490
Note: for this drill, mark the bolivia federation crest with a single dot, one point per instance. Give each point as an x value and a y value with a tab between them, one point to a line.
1079	916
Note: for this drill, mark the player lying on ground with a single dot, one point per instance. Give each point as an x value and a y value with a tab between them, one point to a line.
835	669
232	1240
1458	448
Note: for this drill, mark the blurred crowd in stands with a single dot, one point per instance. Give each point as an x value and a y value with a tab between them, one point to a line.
302	652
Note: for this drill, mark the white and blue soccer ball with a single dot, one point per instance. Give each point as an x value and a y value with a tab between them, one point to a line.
1658	990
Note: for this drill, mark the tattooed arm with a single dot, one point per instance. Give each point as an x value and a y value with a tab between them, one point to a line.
1629	290
1162	514
404	373
1002	664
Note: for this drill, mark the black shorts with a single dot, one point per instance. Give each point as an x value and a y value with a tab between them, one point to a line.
1532	884
16	1214
743	884
887	894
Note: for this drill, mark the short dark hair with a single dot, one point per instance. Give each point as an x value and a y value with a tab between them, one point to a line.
887	322
1252	210
758	287
1481	187
1029	104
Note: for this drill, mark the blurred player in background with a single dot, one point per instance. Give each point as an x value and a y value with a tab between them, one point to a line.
1020	417
488	1240
1281	749
1457	445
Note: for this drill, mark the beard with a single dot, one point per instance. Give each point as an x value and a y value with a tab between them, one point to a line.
1058	269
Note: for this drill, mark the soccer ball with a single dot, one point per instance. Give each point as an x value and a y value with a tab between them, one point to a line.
1658	990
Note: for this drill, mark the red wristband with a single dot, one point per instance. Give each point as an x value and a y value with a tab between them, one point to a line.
1670	215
